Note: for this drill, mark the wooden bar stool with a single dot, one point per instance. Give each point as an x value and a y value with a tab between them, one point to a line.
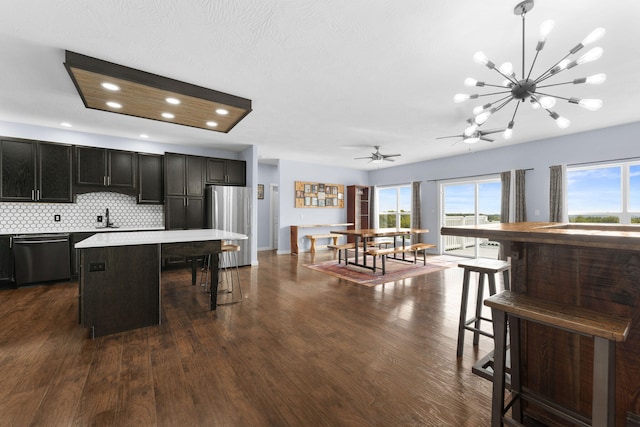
605	329
484	267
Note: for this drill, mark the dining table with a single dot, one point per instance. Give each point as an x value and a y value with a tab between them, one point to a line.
366	236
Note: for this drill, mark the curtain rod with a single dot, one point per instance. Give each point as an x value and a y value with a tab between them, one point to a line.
471	176
603	161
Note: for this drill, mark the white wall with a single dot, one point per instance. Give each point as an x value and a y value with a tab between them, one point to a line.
290	215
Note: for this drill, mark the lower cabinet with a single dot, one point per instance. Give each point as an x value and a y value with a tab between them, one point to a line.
75	259
6	260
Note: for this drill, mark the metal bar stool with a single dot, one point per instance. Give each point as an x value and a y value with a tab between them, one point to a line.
228	258
484	267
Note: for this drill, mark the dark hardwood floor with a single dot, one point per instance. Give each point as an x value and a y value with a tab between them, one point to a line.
302	349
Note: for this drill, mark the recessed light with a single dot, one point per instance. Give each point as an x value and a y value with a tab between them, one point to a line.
110	86
144	135
222	111
212	124
66	124
174	101
168	115
114	104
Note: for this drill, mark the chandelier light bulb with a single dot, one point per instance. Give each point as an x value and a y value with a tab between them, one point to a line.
547	102
545	30
594	36
508	132
480	108
470	82
562	122
535	104
461	97
482	117
470	130
588	104
590	56
561	66
506	69
481	58
596	79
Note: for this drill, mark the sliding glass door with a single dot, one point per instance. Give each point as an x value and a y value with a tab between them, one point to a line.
469	203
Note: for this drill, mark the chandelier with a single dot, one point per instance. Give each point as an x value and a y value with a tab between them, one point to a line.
528	88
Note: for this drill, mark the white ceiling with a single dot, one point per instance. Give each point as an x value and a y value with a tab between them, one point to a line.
328	79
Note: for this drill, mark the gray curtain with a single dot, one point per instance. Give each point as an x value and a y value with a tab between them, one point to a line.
415	210
521	206
556	193
373	219
505	179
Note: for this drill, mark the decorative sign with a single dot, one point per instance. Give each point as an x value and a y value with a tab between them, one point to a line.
260	191
319	195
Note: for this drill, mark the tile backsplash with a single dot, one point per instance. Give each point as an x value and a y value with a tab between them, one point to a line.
123	212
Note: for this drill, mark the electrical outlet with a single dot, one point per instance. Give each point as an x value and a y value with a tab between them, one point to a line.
99	218
96	266
56	218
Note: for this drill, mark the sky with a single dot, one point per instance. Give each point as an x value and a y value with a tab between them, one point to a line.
597	190
460	198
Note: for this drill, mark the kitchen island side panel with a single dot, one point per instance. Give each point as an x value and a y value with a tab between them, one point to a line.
558	364
119	288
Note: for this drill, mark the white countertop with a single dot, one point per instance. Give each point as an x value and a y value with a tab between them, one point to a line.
100	240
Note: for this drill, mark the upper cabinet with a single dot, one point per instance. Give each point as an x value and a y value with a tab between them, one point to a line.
226	172
183	175
100	169
33	171
150	179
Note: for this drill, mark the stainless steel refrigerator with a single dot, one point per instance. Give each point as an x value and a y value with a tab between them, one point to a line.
229	209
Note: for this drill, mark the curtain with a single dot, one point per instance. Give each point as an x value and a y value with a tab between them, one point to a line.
520	202
556	193
505	180
373	208
415	210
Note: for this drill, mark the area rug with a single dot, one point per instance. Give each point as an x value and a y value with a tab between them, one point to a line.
395	270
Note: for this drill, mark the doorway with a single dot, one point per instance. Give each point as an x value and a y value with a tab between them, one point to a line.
274	216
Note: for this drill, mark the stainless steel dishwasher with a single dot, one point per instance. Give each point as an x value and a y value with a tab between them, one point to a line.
41	258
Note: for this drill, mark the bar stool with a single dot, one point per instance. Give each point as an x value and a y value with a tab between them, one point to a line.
484	267
227	259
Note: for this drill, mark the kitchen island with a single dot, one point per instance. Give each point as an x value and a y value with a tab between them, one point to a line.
595	266
119	284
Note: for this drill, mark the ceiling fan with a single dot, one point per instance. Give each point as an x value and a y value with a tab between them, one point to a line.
378	157
473	137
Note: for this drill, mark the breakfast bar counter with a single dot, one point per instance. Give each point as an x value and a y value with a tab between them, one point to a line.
119	280
595	266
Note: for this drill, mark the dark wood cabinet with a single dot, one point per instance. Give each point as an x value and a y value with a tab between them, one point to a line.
34	171
150	179
358	207
183	213
226	172
184	191
107	170
6	260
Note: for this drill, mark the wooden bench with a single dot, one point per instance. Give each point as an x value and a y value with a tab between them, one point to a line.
605	329
385	252
340	248
314	237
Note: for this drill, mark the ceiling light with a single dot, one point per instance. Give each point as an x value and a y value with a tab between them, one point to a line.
110	86
212	124
173	101
168	116
66	124
113	104
519	89
145	95
222	111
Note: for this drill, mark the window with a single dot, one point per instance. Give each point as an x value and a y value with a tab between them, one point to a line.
604	193
394	206
469	203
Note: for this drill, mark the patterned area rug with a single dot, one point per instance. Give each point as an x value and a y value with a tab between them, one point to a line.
395	270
